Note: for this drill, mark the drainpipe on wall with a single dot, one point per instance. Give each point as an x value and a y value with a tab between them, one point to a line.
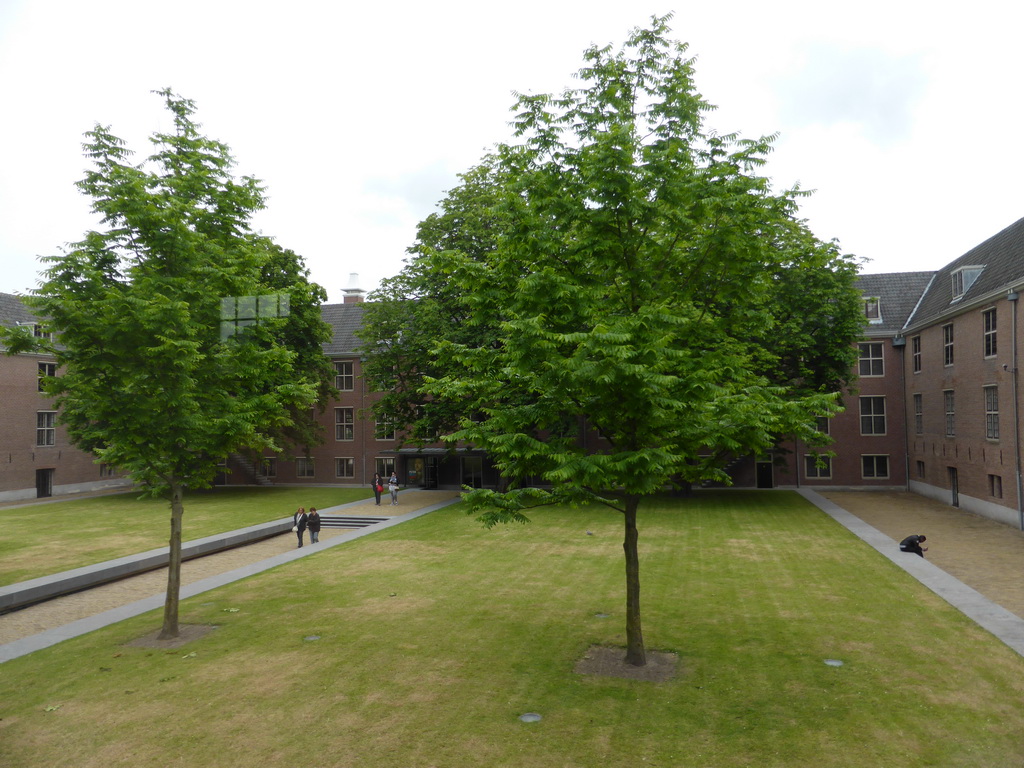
1012	297
900	343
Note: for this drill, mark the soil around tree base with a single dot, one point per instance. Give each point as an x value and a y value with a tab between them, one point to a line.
186	634
605	661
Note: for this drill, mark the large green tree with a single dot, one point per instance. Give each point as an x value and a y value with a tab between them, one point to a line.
410	313
148	381
635	319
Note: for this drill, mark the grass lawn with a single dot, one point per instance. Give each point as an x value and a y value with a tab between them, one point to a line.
47	538
436	635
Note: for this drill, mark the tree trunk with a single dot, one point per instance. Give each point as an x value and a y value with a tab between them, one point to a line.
170	628
635	653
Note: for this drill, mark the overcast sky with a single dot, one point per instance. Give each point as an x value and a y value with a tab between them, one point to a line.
904	118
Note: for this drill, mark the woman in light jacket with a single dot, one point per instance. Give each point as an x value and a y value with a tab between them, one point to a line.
393	487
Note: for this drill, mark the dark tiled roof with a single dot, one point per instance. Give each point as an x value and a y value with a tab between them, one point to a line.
1002	257
898	293
345	320
12	310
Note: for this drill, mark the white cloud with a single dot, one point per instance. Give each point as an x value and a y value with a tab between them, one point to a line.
358	118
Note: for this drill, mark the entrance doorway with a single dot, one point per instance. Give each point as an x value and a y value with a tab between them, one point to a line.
44	483
473	471
954	487
765	475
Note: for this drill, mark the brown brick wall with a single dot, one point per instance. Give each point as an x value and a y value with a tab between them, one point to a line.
849	443
970	452
20	401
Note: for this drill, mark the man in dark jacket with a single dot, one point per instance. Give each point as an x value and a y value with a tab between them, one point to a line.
313	523
913	544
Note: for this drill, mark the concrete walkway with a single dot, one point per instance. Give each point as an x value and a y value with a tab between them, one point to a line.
1005	625
417	503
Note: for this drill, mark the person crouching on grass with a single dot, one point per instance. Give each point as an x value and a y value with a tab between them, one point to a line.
913	544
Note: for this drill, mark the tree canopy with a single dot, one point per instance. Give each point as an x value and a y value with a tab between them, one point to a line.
637	311
147	380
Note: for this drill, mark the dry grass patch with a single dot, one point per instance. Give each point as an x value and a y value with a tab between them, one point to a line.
186	634
604	661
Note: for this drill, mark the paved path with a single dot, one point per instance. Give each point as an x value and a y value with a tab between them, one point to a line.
30	629
927	515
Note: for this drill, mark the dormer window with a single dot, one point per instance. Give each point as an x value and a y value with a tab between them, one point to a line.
963	279
873	309
38	331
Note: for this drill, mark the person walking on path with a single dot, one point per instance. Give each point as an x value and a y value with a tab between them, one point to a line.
393	487
913	544
301	520
313	523
378	486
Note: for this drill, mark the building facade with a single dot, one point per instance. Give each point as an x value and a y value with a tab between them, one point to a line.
37	459
935	405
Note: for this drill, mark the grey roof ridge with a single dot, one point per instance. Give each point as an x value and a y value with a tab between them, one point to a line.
920	298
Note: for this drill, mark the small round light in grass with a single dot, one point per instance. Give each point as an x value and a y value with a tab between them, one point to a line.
310	638
601	615
834	662
530	717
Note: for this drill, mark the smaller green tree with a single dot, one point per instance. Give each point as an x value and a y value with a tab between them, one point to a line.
147	382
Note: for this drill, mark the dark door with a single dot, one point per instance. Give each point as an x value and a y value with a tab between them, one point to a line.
430	472
765	476
44	483
954	487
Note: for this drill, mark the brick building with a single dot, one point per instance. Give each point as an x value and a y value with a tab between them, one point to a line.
962	381
36	458
935	407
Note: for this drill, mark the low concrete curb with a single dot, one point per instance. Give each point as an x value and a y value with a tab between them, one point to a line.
32	591
1006	626
50	637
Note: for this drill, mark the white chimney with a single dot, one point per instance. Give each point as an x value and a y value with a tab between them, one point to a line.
353	293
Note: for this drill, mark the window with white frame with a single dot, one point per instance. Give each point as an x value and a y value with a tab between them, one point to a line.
947	344
385	430
989	321
872	415
304	466
46	428
345	468
46	371
915	353
268	466
918	413
963	279
874	467
385	466
344	379
344	423
817	467
871	362
992	413
39	332
823	424
949	406
873	309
